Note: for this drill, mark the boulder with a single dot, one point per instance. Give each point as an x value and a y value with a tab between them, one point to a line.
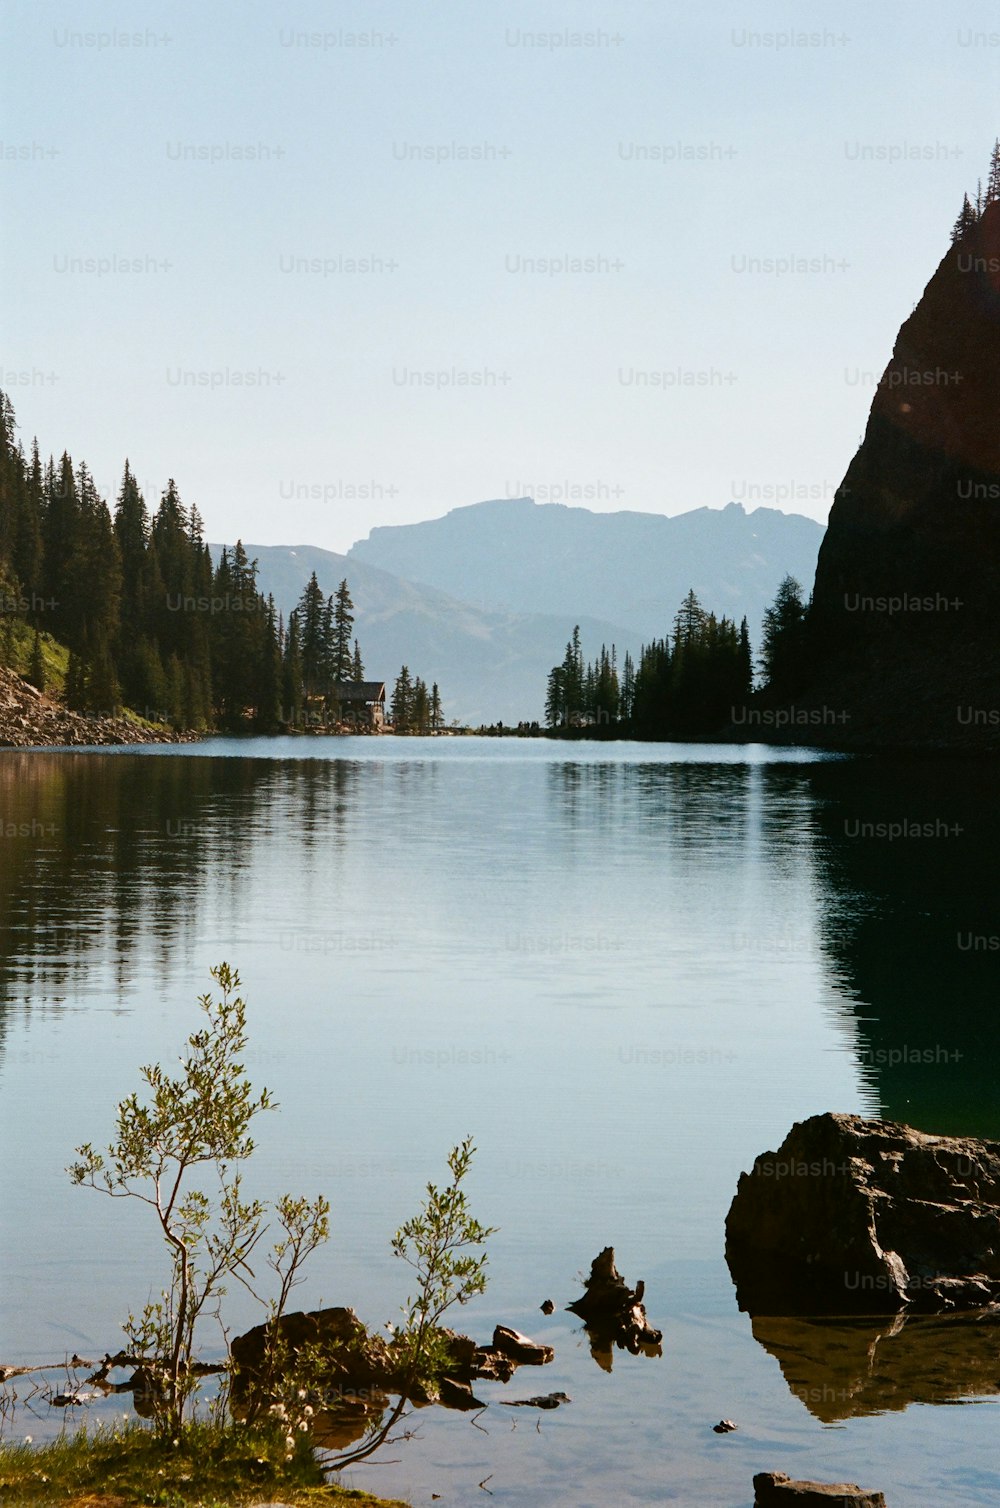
518	1347
854	1216
773	1489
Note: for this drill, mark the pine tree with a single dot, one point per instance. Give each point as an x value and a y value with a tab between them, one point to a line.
966	221
555	697
75	688
357	665
342	666
993	182
628	688
744	683
436	716
420	716
102	693
402	702
291	674
311	615
784	639
267	697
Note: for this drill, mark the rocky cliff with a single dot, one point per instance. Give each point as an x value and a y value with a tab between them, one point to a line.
907	596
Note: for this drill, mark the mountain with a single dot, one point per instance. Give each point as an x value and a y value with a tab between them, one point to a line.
632	568
907	590
490	666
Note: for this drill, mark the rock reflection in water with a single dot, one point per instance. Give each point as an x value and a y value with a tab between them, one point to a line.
348	1419
842	1368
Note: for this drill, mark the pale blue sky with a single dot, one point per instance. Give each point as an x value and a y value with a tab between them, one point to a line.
107	153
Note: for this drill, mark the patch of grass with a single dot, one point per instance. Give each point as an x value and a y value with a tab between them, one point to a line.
55	656
206	1466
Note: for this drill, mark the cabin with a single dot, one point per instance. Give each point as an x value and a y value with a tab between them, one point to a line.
361	703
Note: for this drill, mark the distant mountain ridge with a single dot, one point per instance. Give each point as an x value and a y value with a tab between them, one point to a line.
630	568
484	599
489	665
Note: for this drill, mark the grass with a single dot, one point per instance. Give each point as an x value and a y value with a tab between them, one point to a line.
55	656
16	650
209	1466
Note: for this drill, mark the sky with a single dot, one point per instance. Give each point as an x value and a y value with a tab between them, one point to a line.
333	266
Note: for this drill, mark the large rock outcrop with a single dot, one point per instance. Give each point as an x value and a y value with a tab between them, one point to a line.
907	591
773	1489
854	1216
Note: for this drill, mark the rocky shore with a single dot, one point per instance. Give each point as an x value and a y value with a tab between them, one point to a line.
29	719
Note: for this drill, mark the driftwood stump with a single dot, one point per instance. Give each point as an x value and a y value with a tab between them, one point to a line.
614	1313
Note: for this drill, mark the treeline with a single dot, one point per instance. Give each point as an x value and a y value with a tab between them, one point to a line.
689	683
414	709
148	621
133	596
972	211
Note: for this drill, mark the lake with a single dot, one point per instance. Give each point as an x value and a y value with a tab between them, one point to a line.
625	969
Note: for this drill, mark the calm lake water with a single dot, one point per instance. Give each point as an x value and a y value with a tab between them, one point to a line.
625	969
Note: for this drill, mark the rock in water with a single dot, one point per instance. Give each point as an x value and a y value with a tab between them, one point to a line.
774	1490
854	1216
907	591
520	1348
614	1313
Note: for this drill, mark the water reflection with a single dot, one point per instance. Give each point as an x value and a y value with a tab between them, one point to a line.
910	925
100	852
842	1368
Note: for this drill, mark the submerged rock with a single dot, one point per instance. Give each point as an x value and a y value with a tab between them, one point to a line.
540	1401
854	1216
773	1489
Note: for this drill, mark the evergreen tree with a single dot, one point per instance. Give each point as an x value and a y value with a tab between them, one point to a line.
436	716
75	691
628	688
269	676
993	182
555	697
357	664
745	665
60	528
26	545
291	673
783	648
101	692
148	684
402	702
342	661
313	629
966	221
420	714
